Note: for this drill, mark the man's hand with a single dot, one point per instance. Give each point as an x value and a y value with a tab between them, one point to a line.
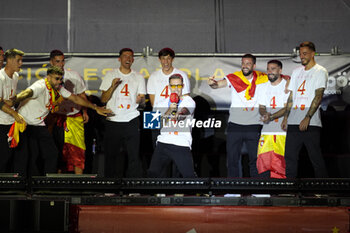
102	111
116	82
284	124
19	118
173	107
212	82
304	124
10	102
85	116
266	118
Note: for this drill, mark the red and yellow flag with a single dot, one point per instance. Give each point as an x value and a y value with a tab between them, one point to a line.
271	155
241	83
13	134
74	144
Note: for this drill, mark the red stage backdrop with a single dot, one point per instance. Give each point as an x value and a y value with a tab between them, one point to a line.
205	219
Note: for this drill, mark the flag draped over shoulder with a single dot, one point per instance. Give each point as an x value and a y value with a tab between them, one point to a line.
74	144
13	134
271	155
241	83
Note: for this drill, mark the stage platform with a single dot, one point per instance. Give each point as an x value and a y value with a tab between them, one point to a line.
92	204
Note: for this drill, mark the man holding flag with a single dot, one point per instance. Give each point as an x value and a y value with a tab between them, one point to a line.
272	102
243	123
8	88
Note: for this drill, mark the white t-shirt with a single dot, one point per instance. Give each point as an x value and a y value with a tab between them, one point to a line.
304	83
274	98
35	109
179	135
158	85
123	100
74	84
243	111
8	88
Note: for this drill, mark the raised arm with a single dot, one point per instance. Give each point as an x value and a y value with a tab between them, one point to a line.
106	95
85	103
216	83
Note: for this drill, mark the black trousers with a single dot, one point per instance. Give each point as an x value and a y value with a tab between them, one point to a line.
236	135
36	152
117	134
5	150
166	153
311	139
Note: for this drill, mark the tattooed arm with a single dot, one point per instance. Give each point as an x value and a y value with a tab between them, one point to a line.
287	111
313	108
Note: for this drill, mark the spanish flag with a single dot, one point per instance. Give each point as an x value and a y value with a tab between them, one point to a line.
13	134
241	83
271	155
74	144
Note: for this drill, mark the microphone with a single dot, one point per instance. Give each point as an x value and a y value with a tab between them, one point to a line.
174	98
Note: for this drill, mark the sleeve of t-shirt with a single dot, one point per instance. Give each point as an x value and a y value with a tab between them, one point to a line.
65	93
291	85
142	87
228	81
107	81
261	96
321	77
37	89
80	84
151	85
189	104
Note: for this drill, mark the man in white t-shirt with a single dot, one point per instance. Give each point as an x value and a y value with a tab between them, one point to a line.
175	140
36	102
272	102
70	119
158	83
123	90
8	86
307	85
244	125
158	89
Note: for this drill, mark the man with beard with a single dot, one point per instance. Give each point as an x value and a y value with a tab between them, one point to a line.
302	115
272	102
37	101
123	90
243	123
70	118
8	87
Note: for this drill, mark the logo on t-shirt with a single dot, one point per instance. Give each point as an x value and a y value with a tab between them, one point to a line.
151	120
